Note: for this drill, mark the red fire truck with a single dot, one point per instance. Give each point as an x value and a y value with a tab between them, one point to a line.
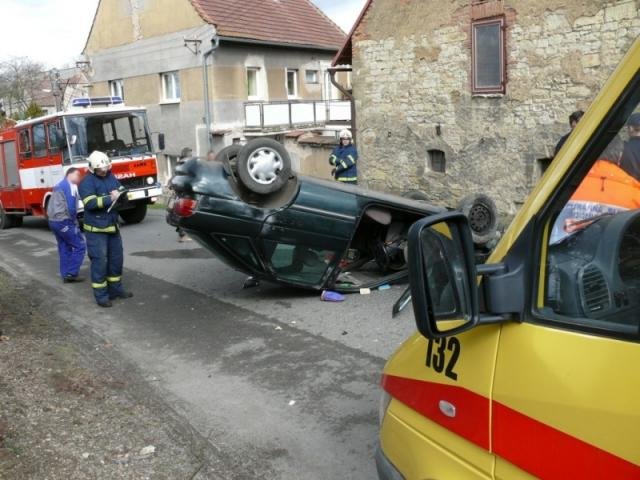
35	154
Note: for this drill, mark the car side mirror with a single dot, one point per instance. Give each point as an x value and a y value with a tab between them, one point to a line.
443	276
161	141
444	284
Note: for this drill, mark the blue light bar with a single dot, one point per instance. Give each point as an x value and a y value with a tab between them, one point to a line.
92	101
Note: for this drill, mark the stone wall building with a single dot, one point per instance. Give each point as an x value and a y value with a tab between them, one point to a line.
459	96
151	53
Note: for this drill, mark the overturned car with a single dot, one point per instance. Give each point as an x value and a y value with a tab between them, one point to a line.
261	218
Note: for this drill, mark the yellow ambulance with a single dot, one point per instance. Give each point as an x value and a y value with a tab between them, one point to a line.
528	365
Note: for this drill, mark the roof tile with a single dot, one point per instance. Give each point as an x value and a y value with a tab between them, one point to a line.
297	22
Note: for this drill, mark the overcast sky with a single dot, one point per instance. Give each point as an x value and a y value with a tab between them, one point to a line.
54	31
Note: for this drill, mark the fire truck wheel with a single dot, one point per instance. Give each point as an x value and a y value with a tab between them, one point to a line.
135	214
5	220
264	166
15	221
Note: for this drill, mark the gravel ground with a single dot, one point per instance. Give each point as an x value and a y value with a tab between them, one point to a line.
71	408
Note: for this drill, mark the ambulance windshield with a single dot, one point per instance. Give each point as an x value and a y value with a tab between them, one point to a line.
121	134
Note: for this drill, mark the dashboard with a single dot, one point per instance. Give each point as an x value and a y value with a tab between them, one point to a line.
595	272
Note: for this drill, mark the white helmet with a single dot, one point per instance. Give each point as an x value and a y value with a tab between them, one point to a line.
345	134
99	160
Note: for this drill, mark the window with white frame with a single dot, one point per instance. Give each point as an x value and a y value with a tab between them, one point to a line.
254	90
116	87
292	83
312	77
170	86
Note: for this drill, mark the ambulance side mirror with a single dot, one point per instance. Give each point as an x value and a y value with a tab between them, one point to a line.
442	275
161	142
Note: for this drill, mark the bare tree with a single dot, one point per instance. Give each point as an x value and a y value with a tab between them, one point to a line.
21	81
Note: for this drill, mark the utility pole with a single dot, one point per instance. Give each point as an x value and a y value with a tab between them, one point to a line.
56	88
208	114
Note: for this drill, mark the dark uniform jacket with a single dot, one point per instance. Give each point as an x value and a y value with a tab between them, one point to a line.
630	161
344	158
94	193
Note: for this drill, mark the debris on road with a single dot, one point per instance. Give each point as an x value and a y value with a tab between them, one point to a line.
147	451
292	403
384	287
329	296
365	291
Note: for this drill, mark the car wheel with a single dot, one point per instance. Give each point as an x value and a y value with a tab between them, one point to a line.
136	214
416	195
264	166
483	217
228	156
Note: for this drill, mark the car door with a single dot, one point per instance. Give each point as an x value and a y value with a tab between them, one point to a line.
566	397
304	241
11	191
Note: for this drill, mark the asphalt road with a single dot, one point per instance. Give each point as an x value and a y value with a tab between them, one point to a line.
283	385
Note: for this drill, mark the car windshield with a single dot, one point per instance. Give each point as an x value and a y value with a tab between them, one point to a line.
118	135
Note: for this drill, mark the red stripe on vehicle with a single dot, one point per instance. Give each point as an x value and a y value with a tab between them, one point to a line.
472	410
531	445
548	453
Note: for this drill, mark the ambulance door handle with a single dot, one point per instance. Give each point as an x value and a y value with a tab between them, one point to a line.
448	409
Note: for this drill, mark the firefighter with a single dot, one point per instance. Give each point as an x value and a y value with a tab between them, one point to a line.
62	212
98	191
344	158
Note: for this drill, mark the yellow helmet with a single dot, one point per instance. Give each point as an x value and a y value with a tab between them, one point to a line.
99	160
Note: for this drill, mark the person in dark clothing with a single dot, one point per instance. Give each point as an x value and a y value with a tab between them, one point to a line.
630	161
99	190
344	158
62	212
574	118
185	155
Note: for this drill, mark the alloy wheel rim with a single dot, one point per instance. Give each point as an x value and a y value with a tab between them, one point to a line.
264	165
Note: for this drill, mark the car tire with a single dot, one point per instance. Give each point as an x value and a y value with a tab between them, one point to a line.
135	214
416	195
264	166
228	156
483	217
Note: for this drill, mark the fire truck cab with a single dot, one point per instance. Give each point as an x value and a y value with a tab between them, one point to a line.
35	154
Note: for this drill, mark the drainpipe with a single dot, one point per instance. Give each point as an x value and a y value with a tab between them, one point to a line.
208	116
346	93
